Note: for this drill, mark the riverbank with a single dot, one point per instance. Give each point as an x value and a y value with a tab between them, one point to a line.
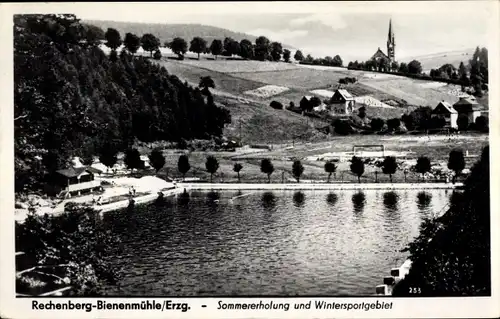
317	186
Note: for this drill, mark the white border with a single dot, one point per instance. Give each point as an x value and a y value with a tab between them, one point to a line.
468	307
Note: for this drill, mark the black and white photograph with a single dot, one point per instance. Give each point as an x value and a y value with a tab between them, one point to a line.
333	152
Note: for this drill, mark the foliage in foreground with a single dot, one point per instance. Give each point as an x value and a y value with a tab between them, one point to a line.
451	256
74	246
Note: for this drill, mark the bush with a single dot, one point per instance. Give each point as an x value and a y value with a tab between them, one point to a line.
342	127
276	105
482	124
377	124
157	55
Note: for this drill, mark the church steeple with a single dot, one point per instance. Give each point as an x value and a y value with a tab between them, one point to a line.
391	43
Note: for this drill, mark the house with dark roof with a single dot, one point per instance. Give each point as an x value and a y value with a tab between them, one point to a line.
342	102
446	111
469	107
75	180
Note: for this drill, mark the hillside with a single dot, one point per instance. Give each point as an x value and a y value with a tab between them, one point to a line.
436	60
166	32
71	99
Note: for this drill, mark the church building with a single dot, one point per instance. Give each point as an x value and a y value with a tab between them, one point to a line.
391	47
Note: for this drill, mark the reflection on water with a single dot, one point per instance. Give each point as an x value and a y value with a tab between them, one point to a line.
423	200
391	201
268	200
263	243
331	199
298	199
358	201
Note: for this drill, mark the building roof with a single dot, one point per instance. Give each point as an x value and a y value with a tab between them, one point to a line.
467	105
444	107
72	172
379	54
346	95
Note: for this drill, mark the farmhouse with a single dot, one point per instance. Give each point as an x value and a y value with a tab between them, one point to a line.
342	102
468	107
446	111
75	180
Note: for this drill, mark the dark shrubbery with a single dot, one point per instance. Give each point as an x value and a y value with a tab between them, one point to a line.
276	105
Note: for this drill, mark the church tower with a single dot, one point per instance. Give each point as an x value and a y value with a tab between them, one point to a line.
391	44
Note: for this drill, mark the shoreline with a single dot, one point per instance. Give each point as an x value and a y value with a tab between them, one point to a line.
317	186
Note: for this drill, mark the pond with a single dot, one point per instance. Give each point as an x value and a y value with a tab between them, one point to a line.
267	243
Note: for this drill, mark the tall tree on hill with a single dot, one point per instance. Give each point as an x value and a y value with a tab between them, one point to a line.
330	168
150	43
389	166
93	34
179	47
132	43
357	167
297	170
267	167
246	49
262	48
462	69
108	156
286	55
337	60
198	45
216	47
456	162
157	159
113	39
309	59
403	68
276	51
298	56
183	165
414	67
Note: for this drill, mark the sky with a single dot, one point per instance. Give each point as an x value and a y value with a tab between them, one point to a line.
354	30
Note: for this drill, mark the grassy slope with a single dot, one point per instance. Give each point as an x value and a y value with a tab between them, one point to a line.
436	60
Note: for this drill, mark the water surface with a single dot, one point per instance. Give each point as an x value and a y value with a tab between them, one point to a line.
267	243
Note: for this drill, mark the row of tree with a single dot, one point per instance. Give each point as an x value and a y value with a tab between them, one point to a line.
70	99
456	163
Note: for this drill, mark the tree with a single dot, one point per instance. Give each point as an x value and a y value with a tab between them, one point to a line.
267	167
262	48
113	39
72	247
357	167
286	55
93	34
216	47
377	124
276	51
337	61
157	159
330	168
183	165
305	104
212	165
179	47
393	124
108	156
246	49
403	68
297	170
206	82
438	253
414	67
394	66
462	70
150	43
132	159
456	162
383	64
237	168
463	122
298	56
314	102
132	43
157	55
423	165
389	166
482	124
198	45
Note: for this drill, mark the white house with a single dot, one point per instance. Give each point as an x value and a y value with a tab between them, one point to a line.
342	102
445	110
